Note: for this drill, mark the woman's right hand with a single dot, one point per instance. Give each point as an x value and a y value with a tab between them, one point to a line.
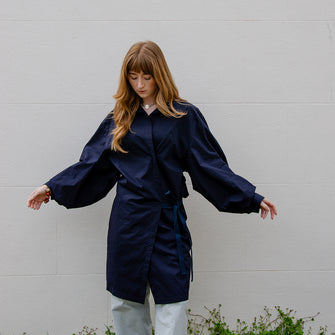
38	196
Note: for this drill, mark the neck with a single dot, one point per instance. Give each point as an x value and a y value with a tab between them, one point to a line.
147	102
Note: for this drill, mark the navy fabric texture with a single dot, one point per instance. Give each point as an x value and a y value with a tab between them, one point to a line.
148	240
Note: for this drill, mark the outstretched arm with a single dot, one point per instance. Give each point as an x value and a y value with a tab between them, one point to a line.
38	196
266	207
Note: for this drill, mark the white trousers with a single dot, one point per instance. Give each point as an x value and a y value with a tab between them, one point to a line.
132	318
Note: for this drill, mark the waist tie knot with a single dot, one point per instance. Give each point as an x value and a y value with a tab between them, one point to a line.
179	224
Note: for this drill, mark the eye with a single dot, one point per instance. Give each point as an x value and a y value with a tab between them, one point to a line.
132	77
147	77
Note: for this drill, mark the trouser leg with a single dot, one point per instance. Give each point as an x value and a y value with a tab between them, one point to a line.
171	319
131	318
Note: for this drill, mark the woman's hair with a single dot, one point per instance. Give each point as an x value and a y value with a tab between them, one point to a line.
148	58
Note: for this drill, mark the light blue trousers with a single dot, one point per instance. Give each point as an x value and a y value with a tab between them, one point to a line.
132	318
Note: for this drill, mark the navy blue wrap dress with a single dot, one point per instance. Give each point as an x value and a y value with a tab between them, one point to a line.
148	240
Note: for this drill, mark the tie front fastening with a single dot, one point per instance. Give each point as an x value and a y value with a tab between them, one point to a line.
179	224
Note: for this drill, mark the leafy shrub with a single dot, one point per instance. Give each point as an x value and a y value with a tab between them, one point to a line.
92	331
284	322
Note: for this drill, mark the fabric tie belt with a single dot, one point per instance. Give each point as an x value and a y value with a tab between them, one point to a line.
179	223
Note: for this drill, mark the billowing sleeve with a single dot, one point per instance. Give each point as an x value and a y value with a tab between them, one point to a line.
90	179
211	175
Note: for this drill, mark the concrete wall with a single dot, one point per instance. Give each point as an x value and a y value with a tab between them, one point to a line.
262	72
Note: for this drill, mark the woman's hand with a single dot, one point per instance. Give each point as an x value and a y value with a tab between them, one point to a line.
266	207
39	195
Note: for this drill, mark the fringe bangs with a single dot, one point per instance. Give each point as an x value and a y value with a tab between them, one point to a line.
141	62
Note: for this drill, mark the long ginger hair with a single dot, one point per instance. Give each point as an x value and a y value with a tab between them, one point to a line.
149	58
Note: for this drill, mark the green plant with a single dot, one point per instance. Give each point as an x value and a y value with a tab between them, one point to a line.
284	322
109	330
92	331
87	331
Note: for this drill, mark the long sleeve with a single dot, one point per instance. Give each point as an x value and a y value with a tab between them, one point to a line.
211	175
90	179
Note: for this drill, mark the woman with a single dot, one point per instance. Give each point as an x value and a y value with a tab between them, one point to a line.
144	145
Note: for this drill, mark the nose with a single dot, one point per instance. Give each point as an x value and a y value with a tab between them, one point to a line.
140	83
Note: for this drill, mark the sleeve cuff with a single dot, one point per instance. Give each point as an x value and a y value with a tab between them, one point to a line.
51	193
256	202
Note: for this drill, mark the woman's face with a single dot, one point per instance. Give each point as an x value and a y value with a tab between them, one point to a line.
144	85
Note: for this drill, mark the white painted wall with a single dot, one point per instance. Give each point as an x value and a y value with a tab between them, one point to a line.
262	72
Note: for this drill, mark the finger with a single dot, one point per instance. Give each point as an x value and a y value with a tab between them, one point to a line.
29	201
265	213
275	209
37	205
272	206
265	210
273	212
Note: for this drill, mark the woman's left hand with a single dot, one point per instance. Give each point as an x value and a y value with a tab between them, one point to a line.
266	207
